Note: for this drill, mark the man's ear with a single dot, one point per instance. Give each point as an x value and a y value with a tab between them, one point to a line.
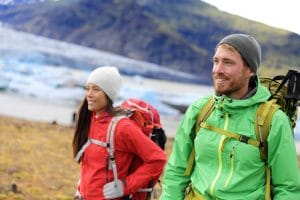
251	71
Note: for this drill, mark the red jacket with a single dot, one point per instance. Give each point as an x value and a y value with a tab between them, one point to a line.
130	143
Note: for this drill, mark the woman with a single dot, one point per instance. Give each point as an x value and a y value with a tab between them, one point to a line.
96	112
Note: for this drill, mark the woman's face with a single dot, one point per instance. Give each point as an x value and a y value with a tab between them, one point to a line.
96	98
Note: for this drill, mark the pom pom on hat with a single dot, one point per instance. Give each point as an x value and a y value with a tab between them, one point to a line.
108	79
247	46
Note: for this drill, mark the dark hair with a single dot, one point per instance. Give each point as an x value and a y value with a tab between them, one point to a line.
83	123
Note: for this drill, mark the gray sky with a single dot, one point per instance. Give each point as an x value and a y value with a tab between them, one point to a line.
281	14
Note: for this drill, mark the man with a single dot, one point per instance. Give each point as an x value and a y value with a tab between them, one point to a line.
225	168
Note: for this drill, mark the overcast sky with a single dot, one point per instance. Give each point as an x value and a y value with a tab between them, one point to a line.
282	14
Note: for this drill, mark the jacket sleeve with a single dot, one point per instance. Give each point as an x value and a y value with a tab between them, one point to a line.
175	181
152	156
282	158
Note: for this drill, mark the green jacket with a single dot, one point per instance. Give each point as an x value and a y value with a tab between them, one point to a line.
226	168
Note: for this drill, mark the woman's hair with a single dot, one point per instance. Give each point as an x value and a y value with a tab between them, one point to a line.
84	120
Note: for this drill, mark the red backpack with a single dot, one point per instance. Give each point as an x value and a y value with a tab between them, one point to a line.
147	118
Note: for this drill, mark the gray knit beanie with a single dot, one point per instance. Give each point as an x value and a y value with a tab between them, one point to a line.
108	79
247	46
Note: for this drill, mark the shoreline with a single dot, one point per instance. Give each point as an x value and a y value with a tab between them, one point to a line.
40	110
50	111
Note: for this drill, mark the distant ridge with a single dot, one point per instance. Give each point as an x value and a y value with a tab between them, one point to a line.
41	51
177	34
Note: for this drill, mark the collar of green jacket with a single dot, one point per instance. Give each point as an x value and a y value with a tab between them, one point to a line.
228	104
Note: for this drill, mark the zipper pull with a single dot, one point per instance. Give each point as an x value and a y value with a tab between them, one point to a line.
232	152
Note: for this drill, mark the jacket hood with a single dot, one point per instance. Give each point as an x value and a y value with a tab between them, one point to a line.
232	105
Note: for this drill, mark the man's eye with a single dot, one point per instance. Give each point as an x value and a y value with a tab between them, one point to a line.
228	62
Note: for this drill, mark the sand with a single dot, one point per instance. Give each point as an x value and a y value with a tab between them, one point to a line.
35	109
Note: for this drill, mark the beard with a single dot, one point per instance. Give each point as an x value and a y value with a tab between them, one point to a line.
229	86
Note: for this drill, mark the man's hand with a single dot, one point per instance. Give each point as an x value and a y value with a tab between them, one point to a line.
113	189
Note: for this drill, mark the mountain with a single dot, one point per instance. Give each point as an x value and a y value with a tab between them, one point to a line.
51	71
14	2
177	34
34	53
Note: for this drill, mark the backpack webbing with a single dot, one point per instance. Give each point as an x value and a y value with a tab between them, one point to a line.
262	124
202	116
111	149
263	119
110	145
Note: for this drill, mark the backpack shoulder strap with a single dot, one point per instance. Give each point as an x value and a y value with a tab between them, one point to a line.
111	148
202	117
204	113
263	119
111	145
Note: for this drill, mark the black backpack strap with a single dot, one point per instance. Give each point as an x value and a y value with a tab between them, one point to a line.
283	79
292	78
293	87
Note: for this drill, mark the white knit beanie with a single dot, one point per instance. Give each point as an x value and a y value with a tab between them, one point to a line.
108	79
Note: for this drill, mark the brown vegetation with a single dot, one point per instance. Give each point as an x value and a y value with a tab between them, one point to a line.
36	161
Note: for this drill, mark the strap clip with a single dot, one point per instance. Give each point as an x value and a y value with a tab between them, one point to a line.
244	139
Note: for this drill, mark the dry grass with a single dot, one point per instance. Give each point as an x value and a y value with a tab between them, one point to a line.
36	161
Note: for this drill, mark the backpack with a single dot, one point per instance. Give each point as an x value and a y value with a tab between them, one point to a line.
148	119
282	97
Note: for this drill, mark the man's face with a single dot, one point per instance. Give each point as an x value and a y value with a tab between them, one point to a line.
230	74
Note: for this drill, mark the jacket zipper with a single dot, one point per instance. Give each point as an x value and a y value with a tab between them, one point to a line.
223	137
231	167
